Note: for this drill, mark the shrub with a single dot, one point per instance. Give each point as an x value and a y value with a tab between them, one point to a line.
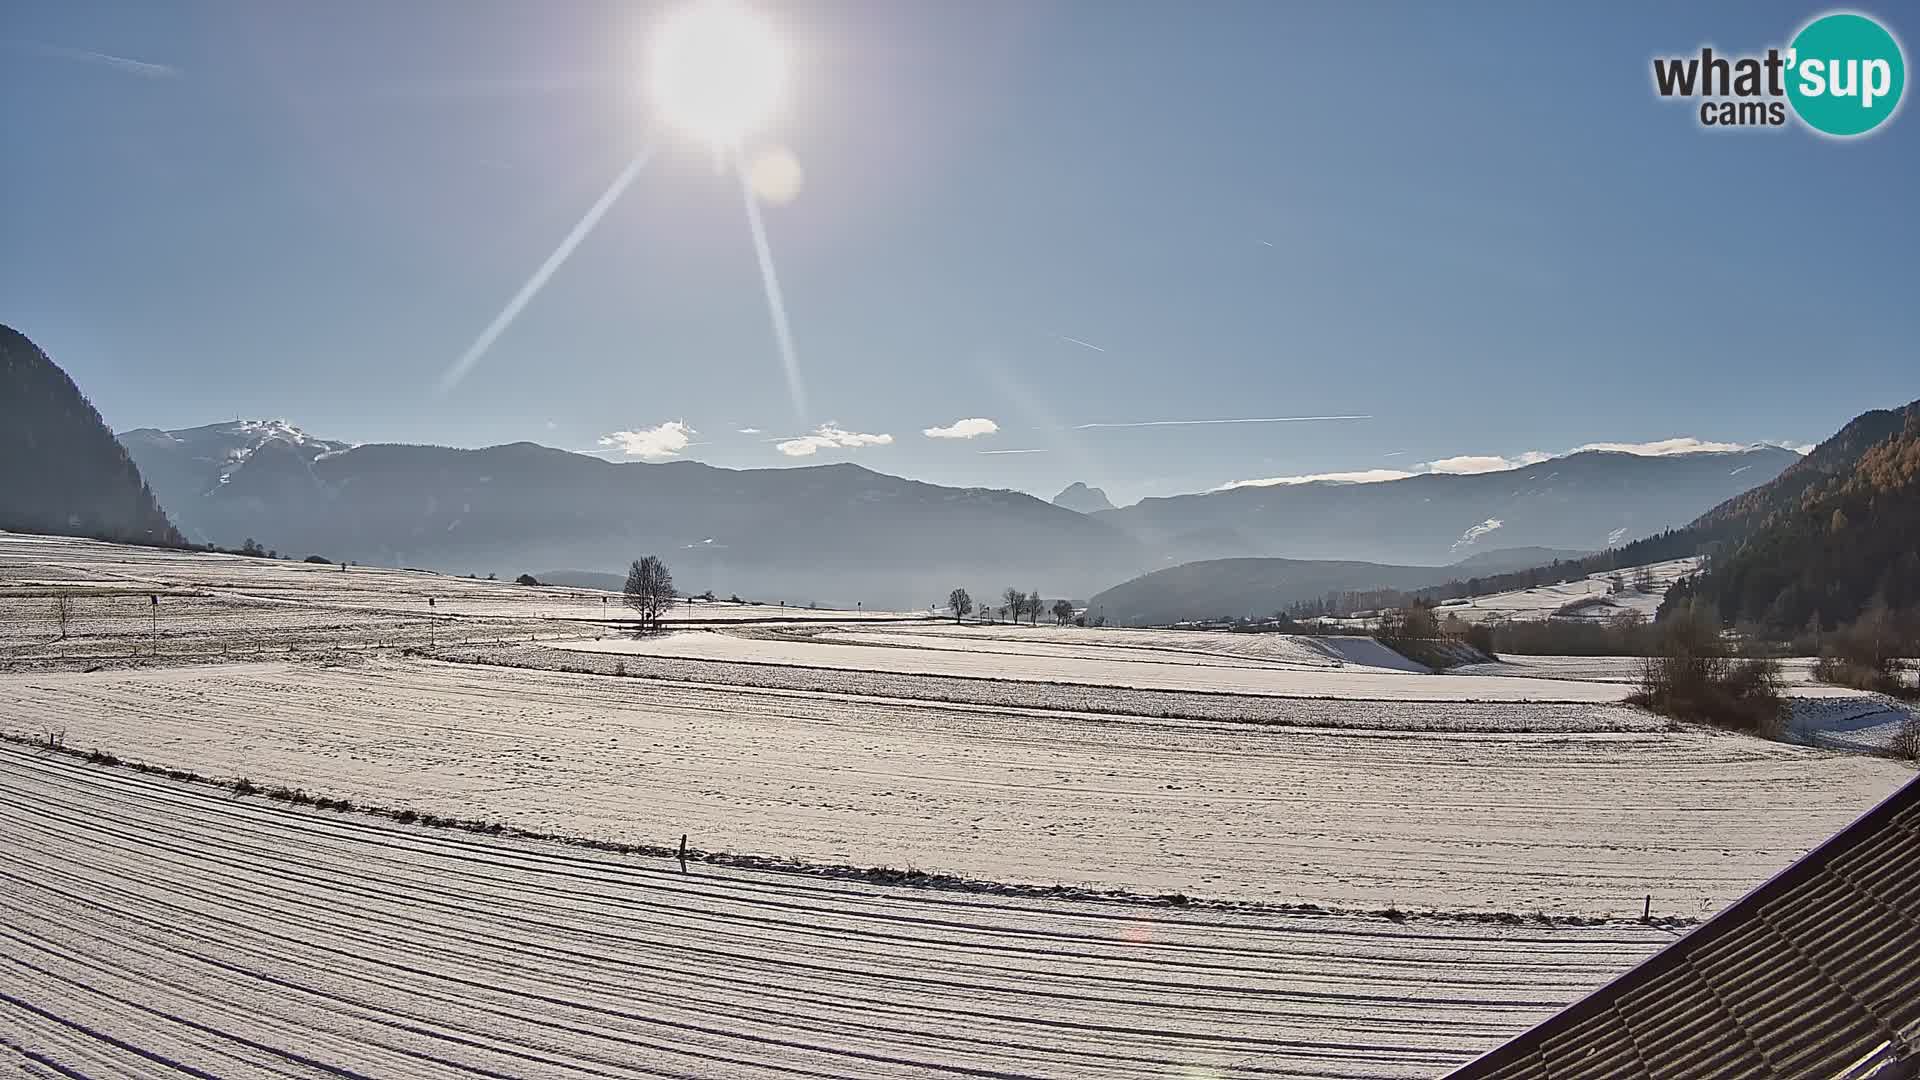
526	579
1691	676
1906	741
1480	636
1866	654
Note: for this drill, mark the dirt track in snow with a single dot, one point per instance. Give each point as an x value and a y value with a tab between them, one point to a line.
152	927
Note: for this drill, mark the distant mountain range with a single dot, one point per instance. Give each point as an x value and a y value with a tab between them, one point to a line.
1586	501
1815	543
836	534
842	534
60	469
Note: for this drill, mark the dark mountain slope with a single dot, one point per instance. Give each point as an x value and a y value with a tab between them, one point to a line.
1823	546
1836	458
1248	588
60	469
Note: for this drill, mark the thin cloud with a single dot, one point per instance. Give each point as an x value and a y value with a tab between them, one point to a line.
1010	451
1082	344
1233	420
651	444
829	436
971	428
1362	476
142	68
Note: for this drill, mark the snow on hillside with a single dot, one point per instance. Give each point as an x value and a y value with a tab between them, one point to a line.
1606	595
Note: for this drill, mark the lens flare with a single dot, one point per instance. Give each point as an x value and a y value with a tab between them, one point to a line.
459	368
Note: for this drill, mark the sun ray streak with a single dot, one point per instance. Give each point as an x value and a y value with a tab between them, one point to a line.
776	306
498	326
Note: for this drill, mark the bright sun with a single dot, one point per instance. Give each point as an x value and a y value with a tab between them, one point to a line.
718	71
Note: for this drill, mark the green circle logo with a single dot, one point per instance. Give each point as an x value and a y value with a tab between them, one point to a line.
1845	74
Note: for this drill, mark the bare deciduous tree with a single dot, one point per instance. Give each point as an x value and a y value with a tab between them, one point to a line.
1034	606
1062	611
961	603
649	591
1014	605
62	612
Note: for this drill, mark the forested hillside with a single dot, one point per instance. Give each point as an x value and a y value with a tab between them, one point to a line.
61	470
1822	553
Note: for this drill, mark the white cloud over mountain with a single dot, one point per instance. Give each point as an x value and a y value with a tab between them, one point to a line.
1465	464
651	444
829	436
970	428
1364	476
1663	447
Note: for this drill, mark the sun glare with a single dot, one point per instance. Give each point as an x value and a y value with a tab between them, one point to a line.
718	71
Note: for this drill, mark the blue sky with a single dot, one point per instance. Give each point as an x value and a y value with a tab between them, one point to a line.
1476	228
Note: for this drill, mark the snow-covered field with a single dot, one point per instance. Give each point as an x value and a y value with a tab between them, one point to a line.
1794	671
1091	662
32	566
158	928
1566	822
214	606
1848	719
149	924
1597	589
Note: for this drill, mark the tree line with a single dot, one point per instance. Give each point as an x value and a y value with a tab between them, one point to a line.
1014	606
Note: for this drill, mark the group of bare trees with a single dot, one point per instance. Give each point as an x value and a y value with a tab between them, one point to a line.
1015	605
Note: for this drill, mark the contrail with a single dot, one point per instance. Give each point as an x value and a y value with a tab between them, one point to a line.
538	281
1245	420
1077	341
1011	451
126	64
775	304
